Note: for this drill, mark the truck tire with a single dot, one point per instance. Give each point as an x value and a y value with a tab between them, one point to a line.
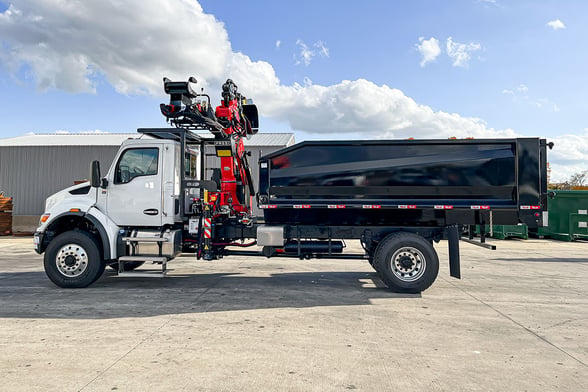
406	262
72	260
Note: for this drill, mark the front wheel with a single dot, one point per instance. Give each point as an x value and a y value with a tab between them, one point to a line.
72	260
406	262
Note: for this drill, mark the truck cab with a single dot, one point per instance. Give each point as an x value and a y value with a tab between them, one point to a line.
139	198
142	187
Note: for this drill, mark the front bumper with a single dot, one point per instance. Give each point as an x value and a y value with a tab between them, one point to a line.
38	241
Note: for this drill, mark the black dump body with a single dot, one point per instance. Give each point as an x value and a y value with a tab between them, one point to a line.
406	182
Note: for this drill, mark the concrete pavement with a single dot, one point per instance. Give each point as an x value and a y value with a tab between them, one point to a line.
517	321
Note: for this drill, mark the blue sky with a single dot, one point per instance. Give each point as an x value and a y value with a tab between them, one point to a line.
320	69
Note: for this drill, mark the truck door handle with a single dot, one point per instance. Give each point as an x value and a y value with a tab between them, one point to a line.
151	211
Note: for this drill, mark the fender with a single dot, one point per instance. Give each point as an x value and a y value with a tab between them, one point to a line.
92	219
109	231
103	235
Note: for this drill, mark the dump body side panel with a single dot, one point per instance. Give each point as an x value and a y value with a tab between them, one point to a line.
404	182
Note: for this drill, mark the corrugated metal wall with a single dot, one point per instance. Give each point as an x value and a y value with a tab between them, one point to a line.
31	173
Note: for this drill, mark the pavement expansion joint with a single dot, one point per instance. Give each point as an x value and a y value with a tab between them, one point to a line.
544	339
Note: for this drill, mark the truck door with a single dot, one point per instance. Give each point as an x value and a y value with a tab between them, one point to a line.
134	195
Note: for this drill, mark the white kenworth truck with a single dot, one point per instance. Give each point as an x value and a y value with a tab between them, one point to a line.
175	191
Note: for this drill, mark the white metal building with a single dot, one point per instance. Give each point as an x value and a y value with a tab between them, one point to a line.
35	166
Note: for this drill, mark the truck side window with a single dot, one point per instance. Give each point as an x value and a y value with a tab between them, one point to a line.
136	162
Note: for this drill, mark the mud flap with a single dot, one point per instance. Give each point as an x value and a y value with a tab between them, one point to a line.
453	242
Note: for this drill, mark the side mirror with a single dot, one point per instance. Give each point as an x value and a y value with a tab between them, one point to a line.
125	174
95	174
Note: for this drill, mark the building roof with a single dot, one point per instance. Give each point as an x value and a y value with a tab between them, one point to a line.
115	139
270	139
68	139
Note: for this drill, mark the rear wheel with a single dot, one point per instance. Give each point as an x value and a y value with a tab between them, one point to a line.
72	260
406	262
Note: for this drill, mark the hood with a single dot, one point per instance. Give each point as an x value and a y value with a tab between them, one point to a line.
78	189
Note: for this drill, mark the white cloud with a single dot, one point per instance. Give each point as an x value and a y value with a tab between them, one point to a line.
523	89
569	156
278	44
461	53
521	95
71	46
490	3
307	53
321	48
429	49
67	45
305	56
556	24
544	103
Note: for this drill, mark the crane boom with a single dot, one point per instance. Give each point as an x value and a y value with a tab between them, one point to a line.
235	118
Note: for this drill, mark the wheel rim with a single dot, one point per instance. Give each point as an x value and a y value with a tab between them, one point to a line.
408	264
71	260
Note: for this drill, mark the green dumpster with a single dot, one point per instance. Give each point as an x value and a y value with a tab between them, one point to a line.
509	231
502	232
567	216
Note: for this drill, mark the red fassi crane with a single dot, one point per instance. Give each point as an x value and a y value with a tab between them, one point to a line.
235	118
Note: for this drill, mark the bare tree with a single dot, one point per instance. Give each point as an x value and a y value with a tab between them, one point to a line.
575	180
